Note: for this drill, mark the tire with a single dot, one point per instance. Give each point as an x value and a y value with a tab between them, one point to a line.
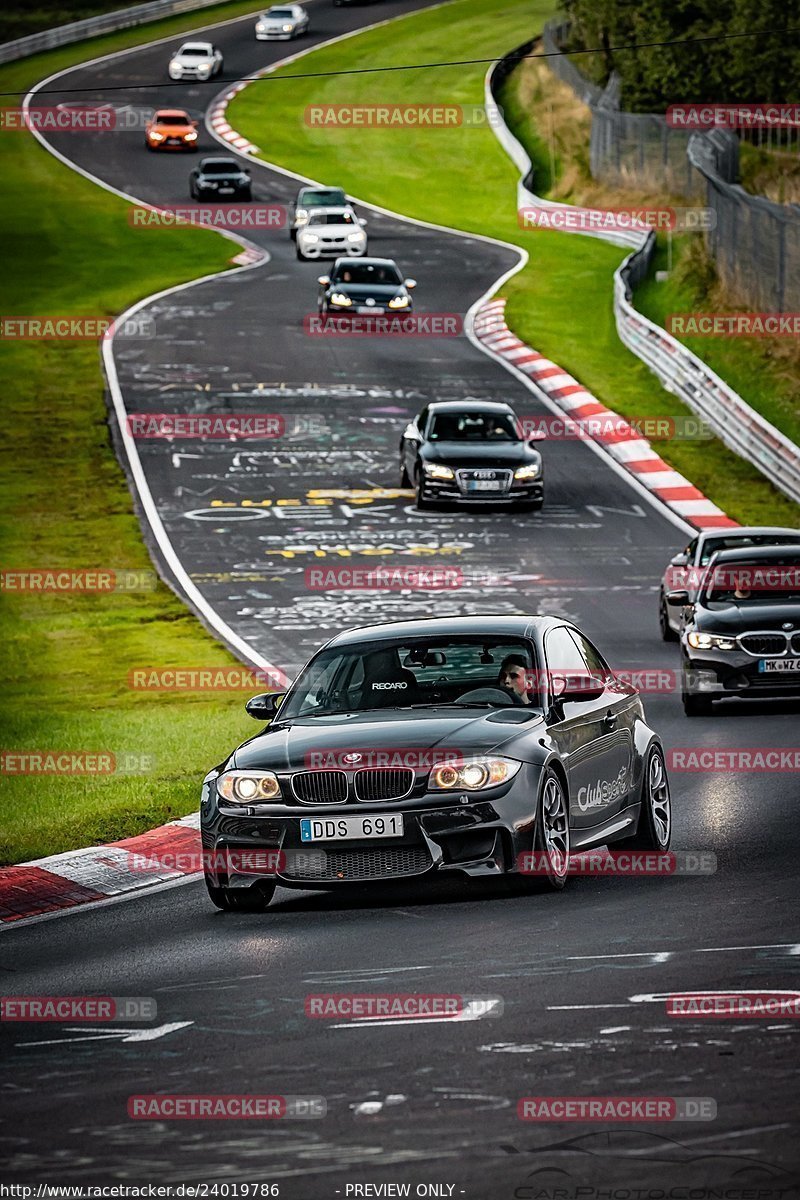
668	634
696	706
423	503
252	899
405	480
551	840
654	828
300	254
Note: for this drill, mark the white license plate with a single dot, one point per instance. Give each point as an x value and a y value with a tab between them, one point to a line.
779	666
484	485
378	312
350	829
226	191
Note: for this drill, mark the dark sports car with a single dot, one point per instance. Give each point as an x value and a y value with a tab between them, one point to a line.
220	178
470	451
415	748
366	286
740	631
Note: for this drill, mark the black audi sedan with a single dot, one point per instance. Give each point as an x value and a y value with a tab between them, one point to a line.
220	178
470	451
365	286
740	632
485	746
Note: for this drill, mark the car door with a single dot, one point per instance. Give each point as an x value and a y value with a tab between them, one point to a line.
592	741
619	709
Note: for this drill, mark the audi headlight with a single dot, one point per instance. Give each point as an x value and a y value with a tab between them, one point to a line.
248	787
340	299
473	774
438	471
710	641
400	302
529	471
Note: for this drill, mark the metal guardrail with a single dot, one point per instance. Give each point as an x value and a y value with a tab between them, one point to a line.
680	371
76	31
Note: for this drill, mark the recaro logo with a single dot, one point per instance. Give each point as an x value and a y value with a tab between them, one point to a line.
383	687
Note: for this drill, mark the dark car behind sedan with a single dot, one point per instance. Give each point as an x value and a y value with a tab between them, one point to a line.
220	178
365	287
470	451
740	633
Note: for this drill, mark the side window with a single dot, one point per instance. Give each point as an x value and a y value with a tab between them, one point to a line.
422	420
691	550
594	659
563	655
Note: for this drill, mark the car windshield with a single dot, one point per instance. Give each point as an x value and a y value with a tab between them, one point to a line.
414	673
329	218
754	581
220	167
473	427
173	118
321	199
732	542
194	52
367	273
282	14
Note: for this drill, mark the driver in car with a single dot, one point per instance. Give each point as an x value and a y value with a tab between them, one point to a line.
512	677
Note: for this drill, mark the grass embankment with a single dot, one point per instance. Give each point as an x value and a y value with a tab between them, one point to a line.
461	177
68	250
553	124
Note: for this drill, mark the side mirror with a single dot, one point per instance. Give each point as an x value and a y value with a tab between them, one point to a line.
264	707
324	280
538	435
411	284
679	560
679	596
576	687
362	221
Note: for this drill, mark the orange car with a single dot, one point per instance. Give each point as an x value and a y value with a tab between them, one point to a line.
171	129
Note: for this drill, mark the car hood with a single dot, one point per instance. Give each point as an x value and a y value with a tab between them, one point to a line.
472	454
343	228
192	60
739	618
173	130
228	177
306	743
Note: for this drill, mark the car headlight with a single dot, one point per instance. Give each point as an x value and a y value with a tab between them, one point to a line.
400	302
309	238
438	471
356	237
248	787
156	137
288	28
529	471
341	299
204	70
261	28
473	774
191	137
175	71
710	641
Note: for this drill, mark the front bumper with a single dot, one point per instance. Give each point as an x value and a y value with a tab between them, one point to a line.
448	491
277	36
482	837
727	674
322	250
173	144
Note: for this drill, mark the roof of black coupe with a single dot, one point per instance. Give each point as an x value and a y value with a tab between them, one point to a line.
475	626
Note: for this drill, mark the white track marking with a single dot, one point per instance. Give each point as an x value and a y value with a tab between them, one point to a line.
122	1035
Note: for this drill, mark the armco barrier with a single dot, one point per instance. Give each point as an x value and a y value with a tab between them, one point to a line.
680	371
76	31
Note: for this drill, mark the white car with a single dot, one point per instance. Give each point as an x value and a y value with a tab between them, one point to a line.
282	22
334	231
195	60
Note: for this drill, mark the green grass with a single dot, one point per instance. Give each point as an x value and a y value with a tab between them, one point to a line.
64	502
766	372
461	177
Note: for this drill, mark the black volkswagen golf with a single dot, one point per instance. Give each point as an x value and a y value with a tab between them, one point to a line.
470	451
415	748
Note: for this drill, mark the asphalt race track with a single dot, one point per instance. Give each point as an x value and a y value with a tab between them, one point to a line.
582	975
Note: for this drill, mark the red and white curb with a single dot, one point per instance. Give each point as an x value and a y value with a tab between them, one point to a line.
62	881
220	125
593	420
